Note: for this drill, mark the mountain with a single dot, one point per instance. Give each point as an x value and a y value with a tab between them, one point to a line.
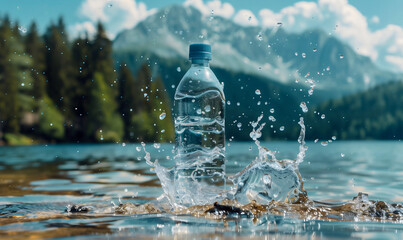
374	114
271	53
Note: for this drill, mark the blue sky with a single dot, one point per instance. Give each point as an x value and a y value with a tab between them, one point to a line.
373	28
43	11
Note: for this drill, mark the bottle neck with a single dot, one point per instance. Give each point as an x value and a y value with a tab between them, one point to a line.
200	63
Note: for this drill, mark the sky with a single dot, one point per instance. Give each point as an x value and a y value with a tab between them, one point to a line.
373	28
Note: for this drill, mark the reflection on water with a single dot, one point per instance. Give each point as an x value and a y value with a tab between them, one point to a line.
37	184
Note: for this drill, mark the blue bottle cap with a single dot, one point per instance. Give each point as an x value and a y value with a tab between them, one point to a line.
200	51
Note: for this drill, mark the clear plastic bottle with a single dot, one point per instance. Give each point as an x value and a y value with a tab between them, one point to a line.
199	108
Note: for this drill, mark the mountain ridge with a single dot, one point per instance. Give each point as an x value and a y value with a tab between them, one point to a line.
271	53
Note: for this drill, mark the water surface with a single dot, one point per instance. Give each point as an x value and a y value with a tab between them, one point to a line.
38	184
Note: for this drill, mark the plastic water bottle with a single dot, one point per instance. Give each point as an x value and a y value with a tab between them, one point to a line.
199	131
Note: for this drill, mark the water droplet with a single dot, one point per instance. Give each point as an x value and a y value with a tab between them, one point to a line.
162	116
178	69
324	143
296	54
238	104
163	130
316	140
172	86
258	103
157	145
123	144
271	118
228	102
323	116
342	155
260	37
257	92
304	107
334	138
271	110
22	84
207	108
199	111
310	91
22	29
341	56
239	125
315	50
269	46
282	128
303	55
249	18
212	12
51	124
279	24
138	149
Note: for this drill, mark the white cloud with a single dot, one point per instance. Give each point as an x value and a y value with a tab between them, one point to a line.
116	15
80	29
214	8
245	18
344	21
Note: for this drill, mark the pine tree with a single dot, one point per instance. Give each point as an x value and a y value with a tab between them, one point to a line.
9	101
161	113
127	100
82	65
104	123
35	48
59	70
102	55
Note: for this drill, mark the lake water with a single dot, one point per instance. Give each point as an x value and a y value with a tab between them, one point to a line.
39	184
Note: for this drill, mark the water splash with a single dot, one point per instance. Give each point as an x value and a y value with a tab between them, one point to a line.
268	178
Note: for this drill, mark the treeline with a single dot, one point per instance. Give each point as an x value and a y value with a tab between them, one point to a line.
373	114
56	90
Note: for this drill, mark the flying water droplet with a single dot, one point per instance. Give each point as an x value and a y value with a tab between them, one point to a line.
138	149
324	143
178	69
22	29
304	107
238	104
342	155
207	108
334	138
157	145
257	92
271	110
199	111
315	50
323	116
172	86
271	118
239	125
341	56
162	116
316	140
303	55
282	128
